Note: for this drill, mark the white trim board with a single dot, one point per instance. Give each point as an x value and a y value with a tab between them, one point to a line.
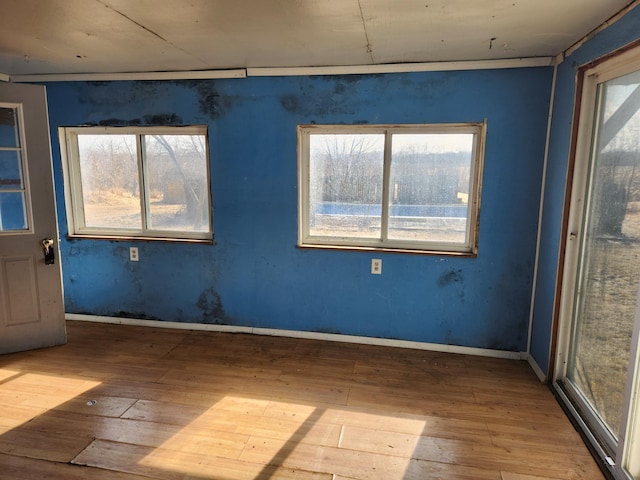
383	342
545	163
536	368
525	62
403	67
4	77
94	77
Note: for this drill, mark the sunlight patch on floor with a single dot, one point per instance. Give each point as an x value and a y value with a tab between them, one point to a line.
262	435
25	396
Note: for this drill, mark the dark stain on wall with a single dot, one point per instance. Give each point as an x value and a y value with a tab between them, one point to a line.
340	96
136	315
156	119
163	119
347	79
112	94
450	277
289	102
210	304
211	101
118	122
508	339
332	331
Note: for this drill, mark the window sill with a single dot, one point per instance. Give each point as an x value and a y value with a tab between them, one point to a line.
122	238
310	246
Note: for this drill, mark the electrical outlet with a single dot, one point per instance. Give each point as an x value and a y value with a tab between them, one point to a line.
376	266
133	254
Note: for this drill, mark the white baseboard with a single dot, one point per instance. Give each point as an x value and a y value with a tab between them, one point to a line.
385	342
536	368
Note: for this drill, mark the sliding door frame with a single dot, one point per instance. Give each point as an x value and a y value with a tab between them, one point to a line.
610	452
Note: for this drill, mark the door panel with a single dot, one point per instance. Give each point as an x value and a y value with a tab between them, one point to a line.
19	292
31	301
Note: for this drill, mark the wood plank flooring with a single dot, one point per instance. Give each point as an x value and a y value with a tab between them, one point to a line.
133	403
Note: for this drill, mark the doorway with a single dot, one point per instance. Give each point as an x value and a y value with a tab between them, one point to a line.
31	299
597	357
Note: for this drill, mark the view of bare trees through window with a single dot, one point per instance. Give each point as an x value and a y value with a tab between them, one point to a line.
428	186
174	194
346	184
177	179
109	173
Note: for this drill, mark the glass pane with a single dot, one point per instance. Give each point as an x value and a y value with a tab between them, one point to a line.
109	174
9	137
609	272
177	178
13	214
10	170
429	187
345	194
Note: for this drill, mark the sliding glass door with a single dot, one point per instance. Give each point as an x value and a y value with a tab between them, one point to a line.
601	305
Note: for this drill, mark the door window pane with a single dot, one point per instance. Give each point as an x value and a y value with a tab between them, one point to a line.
13	194
12	211
429	188
9	133
10	170
345	191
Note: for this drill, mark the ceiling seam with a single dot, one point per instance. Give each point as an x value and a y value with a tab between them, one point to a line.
366	34
148	30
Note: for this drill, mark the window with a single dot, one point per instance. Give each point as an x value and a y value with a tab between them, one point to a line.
412	187
148	182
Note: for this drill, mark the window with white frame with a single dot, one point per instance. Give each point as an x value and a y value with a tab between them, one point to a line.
130	182
400	187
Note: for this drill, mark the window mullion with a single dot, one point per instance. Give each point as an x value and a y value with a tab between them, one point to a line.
142	182
386	175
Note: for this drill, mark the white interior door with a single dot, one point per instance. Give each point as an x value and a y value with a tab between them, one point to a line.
31	302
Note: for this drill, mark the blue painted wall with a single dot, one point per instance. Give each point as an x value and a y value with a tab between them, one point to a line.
619	34
255	275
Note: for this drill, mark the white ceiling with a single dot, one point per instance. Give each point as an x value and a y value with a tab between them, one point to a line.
112	36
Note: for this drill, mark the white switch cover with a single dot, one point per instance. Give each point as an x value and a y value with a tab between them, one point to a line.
376	266
133	254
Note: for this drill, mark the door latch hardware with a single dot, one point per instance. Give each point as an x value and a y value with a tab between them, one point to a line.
47	249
